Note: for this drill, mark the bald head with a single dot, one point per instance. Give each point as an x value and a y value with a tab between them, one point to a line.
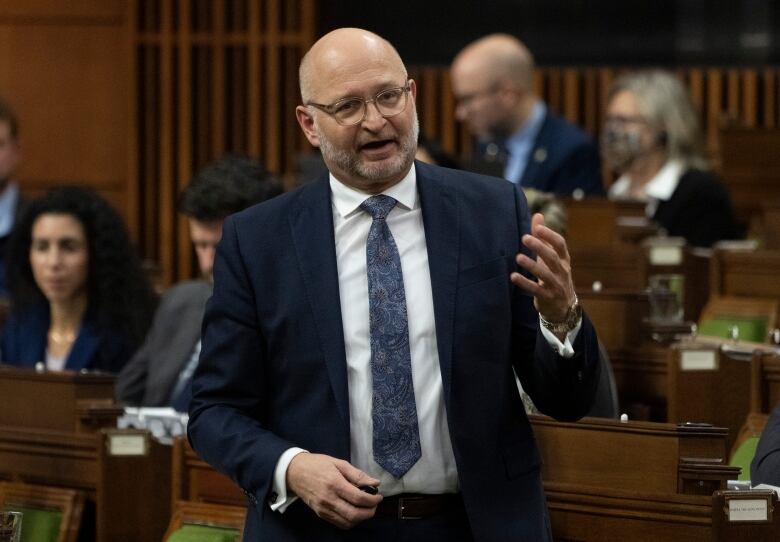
346	52
497	58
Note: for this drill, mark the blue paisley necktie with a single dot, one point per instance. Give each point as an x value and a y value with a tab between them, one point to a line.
393	410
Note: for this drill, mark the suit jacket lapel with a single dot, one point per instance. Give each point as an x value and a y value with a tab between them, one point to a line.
84	348
441	221
315	248
537	157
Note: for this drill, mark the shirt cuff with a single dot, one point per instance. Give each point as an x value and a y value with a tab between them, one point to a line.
565	348
281	499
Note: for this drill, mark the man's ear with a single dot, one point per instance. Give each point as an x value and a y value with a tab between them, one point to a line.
306	122
413	89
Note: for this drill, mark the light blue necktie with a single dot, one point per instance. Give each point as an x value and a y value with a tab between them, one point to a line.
393	410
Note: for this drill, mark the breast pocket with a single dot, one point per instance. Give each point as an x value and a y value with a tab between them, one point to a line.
498	267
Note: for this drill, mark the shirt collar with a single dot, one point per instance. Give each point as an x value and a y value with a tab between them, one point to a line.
8	200
346	200
660	187
530	127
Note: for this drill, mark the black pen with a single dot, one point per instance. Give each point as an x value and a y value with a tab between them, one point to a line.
372	490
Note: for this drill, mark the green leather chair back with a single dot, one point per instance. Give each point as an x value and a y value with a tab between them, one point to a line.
751	328
203	533
743	456
38	525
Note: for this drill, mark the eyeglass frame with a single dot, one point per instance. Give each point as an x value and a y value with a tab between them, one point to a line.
467	99
328	108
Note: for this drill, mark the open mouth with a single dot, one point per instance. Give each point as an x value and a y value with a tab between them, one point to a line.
378	147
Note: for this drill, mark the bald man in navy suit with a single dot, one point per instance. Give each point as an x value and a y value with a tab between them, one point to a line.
291	394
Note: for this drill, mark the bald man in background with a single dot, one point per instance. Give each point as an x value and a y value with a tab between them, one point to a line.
518	138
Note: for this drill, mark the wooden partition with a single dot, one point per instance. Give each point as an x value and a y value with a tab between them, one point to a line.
638	481
211	78
63	442
65	68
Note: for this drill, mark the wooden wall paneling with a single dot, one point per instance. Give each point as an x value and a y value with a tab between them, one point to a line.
571	95
429	112
272	99
749	80
590	102
696	88
713	114
133	192
253	80
449	127
770	96
148	179
184	251
732	96
217	106
165	149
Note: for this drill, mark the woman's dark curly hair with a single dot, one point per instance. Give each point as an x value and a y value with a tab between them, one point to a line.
117	288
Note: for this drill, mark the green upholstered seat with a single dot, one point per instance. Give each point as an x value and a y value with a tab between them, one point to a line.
751	328
202	533
743	456
38	525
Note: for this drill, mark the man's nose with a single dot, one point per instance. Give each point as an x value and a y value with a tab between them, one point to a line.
373	117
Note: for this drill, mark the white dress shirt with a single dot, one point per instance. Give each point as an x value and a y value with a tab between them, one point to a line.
435	471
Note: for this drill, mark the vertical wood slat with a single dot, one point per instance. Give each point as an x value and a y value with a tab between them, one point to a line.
149	157
749	98
732	96
184	140
696	88
713	113
590	102
253	80
430	113
770	95
165	193
217	105
571	95
132	205
448	125
272	114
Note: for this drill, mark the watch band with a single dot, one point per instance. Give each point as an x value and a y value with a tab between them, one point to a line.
570	321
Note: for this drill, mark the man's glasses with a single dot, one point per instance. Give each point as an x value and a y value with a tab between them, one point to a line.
350	111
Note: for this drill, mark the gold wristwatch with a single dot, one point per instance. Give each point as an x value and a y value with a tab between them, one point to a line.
573	316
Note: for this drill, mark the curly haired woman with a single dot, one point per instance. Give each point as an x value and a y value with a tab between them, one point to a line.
79	297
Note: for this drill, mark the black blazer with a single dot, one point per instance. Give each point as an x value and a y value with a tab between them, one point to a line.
699	210
272	373
765	468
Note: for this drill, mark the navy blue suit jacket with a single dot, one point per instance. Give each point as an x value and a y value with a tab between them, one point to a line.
563	159
272	373
24	339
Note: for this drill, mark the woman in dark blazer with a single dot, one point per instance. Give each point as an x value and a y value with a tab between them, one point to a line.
651	138
79	297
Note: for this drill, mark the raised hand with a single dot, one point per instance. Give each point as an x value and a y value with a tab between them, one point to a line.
554	291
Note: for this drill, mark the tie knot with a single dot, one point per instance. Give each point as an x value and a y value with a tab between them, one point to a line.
378	206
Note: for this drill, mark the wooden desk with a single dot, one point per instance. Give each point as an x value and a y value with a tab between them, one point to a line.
53	431
638	481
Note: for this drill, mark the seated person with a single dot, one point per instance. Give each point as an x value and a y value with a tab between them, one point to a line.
651	138
160	372
518	137
79	297
765	468
11	203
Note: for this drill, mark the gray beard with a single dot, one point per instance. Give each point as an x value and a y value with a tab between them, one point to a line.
350	162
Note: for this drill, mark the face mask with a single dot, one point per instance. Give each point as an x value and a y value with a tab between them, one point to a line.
620	147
